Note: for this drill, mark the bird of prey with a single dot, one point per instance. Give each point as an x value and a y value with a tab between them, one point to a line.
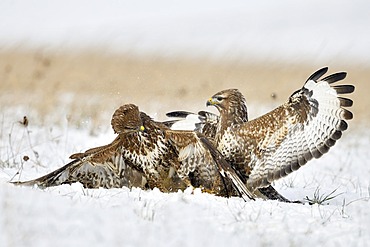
274	145
148	154
235	103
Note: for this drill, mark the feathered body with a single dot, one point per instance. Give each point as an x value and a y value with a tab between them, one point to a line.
281	141
147	154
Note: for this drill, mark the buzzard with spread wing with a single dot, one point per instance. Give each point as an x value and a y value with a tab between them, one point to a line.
274	145
148	154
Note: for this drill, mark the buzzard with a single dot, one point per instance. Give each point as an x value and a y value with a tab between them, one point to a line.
235	102
274	145
149	154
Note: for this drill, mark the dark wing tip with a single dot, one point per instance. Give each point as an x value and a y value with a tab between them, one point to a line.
179	114
330	142
169	123
315	76
316	153
344	89
338	134
345	102
323	148
77	156
335	77
343	125
26	183
203	113
347	114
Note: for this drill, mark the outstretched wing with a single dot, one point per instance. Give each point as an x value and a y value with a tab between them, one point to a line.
209	123
303	128
197	154
203	122
97	167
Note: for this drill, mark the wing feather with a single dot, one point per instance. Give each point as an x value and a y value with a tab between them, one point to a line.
344	89
207	122
89	174
334	77
190	151
315	120
196	151
315	76
97	167
227	171
178	114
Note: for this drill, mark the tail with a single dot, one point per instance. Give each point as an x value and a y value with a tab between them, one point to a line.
227	171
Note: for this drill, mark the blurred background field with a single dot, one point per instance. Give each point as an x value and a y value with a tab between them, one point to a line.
81	60
90	85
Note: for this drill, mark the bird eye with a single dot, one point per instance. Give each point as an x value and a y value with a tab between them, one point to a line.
219	98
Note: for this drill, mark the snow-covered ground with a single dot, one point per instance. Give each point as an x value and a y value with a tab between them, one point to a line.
66	215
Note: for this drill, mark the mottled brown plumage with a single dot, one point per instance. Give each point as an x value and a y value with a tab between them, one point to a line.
279	142
147	154
233	109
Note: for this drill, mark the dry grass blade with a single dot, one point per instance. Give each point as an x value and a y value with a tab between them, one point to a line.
321	199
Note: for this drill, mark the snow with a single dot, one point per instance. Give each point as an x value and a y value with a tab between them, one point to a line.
70	214
314	31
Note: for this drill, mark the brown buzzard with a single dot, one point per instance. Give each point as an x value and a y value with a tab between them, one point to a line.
148	153
281	141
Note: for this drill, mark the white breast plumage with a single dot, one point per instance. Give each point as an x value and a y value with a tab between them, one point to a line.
148	160
227	143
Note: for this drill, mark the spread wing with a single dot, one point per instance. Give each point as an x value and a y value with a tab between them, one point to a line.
97	167
303	128
205	122
209	123
196	153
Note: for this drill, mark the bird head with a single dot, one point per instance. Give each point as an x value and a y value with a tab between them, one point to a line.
230	101
225	98
216	100
126	119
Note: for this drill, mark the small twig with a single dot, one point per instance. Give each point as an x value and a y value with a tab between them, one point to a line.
10	143
367	198
20	169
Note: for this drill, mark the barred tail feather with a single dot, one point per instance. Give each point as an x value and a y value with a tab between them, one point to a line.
227	171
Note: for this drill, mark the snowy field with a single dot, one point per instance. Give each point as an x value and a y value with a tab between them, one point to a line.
66	215
315	32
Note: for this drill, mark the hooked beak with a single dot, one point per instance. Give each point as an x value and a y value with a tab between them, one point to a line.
210	102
